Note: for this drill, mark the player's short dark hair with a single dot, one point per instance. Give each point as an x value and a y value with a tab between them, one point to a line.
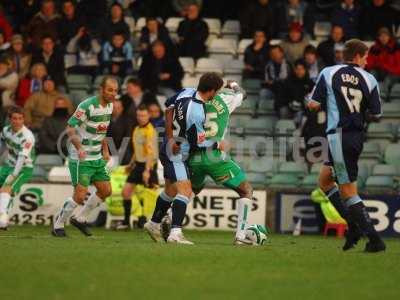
15	110
135	81
352	48
107	78
210	81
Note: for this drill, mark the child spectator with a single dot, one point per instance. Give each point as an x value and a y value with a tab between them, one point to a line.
384	59
276	72
86	50
117	56
256	56
31	84
294	46
20	58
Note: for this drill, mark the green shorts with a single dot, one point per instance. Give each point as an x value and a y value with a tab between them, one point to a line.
24	176
224	171
87	172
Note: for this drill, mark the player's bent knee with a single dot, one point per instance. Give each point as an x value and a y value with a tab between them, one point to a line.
104	192
6	189
245	190
127	192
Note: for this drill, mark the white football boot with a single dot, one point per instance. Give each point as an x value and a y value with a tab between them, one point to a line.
243	242
3	221
154	230
178	238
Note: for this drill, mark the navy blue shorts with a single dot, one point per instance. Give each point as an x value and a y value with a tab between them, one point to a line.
175	168
344	152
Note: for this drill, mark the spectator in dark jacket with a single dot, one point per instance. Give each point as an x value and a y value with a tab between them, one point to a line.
69	23
348	16
326	48
277	71
294	11
117	56
296	87
5	27
161	72
120	128
193	34
116	23
256	56
53	128
153	31
135	96
258	15
95	13
384	59
44	23
53	59
375	16
314	65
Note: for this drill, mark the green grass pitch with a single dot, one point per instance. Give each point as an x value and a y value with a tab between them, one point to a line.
127	265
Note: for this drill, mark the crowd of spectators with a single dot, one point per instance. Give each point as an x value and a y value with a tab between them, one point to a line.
37	35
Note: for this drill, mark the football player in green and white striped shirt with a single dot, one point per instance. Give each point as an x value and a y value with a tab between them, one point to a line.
18	167
88	155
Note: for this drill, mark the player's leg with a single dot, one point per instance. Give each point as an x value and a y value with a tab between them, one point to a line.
127	192
163	203
346	149
80	177
8	189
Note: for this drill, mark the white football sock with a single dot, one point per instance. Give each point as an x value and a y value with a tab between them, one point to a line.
92	202
4	202
243	209
65	213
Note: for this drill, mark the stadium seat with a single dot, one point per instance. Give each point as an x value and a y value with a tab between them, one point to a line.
371	150
77	96
383	90
187	64
310	181
384	170
233	67
79	82
391	109
141	22
172	24
214	26
262	165
380	184
131	23
261	126
247	107
381	131
209	65
190	81
322	29
252	86
284	127
256	179
395	91
315	168
47	161
266	108
231	29
392	154
257	145
39	174
69	60
284	181
222	49
292	167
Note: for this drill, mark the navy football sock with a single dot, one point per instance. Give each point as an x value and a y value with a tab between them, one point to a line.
162	205
179	210
127	210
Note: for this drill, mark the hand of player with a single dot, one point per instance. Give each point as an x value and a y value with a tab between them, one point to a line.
224	146
81	154
146	177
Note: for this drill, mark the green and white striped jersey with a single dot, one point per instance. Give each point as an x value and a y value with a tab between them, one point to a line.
19	143
91	121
